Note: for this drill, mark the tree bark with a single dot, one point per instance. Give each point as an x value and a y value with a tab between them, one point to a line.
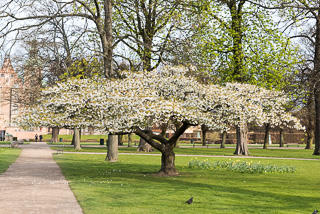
310	140
55	134
105	32
165	146
177	126
235	8
281	137
311	122
242	141
316	87
167	163
204	130
266	135
129	140
120	140
317	124
163	127
90	130
112	146
146	58
77	139
72	141
73	137
223	140
143	145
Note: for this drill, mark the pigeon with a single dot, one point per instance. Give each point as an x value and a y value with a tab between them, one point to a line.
190	200
315	212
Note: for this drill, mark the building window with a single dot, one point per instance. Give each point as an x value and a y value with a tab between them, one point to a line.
15	109
2	75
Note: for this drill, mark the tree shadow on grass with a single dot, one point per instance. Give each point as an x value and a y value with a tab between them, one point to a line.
221	190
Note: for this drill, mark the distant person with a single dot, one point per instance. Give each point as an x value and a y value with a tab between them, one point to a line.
36	137
40	138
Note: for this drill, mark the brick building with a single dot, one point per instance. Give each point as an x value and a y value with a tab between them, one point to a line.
10	86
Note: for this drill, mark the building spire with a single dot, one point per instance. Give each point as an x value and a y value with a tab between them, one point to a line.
7	66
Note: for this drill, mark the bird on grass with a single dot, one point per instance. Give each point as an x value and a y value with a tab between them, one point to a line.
315	212
190	200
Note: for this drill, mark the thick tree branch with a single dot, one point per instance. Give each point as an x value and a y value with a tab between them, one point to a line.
179	132
148	139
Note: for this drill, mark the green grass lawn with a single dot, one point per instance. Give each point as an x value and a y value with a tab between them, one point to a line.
4	142
130	186
7	157
284	153
9	142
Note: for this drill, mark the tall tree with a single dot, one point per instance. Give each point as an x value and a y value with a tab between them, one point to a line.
304	14
96	12
242	44
147	28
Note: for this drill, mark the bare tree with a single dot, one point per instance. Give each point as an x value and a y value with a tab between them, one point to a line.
148	29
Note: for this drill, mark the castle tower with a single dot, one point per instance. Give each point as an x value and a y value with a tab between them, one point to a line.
9	87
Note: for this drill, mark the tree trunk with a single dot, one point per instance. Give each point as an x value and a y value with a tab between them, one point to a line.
72	142
281	137
316	87
167	163
55	134
311	122
204	131
90	130
310	140
105	32
177	126
165	146
129	140
242	139
147	38
163	127
73	136
235	8
108	39
112	146
77	139
266	136
317	124
120	140
223	140
143	145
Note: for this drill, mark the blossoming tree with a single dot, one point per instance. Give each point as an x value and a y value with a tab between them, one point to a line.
260	106
136	101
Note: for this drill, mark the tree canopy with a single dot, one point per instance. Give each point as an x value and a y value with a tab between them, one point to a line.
139	100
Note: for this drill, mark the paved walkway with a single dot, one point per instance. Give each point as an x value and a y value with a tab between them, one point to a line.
35	184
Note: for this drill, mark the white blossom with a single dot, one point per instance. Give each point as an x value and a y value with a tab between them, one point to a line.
142	99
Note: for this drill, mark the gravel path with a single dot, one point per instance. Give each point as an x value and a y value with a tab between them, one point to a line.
35	184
